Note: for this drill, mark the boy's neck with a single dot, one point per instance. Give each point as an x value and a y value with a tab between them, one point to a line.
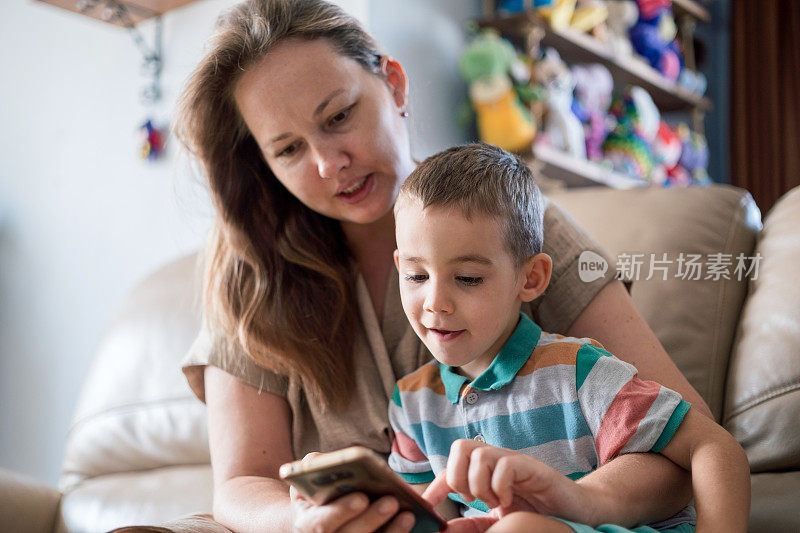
479	366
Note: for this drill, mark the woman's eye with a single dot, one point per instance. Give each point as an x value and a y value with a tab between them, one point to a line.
469	280
289	150
340	117
416	278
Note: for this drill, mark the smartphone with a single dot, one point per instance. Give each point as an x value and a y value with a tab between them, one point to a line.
327	476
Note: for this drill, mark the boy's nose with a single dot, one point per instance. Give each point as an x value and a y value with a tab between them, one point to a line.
437	301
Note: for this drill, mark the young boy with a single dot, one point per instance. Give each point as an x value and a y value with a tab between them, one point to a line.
469	241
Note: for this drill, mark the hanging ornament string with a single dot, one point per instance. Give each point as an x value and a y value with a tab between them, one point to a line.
152	138
150	135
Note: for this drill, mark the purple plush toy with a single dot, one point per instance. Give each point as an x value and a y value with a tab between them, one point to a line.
694	155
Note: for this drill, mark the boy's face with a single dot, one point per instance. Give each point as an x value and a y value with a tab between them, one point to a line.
459	285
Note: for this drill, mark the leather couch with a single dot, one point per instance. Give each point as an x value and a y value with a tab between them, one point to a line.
137	450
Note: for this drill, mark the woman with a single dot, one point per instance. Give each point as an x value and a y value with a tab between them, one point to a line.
300	124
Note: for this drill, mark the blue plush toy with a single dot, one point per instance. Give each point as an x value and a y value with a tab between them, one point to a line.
653	37
516	6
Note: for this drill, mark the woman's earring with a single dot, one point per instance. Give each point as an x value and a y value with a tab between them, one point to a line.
404	113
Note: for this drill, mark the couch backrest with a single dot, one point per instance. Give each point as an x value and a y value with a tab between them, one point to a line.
136	411
762	407
695	320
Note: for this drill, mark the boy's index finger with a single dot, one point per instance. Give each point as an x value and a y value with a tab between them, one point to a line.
438	490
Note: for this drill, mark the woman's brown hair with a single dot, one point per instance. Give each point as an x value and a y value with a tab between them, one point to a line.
279	281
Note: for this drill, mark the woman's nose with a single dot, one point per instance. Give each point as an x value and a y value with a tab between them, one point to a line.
331	159
438	301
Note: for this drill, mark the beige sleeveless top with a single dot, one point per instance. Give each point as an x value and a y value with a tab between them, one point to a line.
386	351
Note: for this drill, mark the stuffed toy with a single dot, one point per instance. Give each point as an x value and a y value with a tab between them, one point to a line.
562	128
487	64
629	146
653	37
622	15
682	157
517	6
694	154
580	15
589	16
667	149
559	14
593	87
694	82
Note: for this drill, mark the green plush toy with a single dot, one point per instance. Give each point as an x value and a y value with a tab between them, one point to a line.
488	64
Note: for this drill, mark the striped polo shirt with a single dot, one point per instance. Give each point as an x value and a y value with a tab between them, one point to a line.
565	401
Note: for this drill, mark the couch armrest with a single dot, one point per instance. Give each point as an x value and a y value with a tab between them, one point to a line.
26	506
763	386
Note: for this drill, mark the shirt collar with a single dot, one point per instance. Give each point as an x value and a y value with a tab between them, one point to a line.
514	353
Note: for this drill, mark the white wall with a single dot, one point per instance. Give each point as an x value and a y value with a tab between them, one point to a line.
427	37
82	219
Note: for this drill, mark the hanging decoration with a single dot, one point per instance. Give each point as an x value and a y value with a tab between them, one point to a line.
152	141
151	135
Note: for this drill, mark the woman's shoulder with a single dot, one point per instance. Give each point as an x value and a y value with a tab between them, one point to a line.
213	348
568	293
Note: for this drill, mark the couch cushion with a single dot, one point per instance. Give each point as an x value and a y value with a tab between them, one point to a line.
775	502
150	497
135	410
26	505
695	320
762	407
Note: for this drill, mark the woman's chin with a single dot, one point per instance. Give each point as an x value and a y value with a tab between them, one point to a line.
369	213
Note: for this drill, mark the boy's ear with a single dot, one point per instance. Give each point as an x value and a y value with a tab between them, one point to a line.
396	77
396	260
537	272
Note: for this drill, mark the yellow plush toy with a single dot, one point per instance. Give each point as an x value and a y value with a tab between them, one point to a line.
502	119
582	16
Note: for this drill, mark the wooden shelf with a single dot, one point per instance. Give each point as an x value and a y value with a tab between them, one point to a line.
577	47
559	165
138	10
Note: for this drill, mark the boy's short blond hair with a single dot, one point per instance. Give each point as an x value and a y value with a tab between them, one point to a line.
486	179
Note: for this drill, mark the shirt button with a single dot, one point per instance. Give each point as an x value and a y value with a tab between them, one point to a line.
472	398
479	438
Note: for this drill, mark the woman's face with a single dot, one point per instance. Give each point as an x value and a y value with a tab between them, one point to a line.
330	131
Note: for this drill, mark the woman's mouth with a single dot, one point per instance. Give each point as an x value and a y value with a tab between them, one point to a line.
446	334
358	190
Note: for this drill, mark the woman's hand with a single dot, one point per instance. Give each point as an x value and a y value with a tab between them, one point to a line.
349	514
508	481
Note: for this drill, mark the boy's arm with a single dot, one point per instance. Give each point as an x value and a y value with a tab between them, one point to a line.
720	472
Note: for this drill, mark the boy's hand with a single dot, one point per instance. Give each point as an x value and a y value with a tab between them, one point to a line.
476	524
508	481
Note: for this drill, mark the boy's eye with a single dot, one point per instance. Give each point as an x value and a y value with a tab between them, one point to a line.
416	278
469	280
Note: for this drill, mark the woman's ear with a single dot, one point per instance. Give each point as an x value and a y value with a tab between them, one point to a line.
537	272
397	260
396	77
